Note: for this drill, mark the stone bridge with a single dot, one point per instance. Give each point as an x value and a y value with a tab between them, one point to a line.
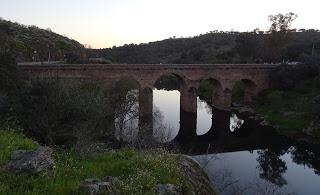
223	76
255	78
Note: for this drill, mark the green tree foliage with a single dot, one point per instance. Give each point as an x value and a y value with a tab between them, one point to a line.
51	109
286	77
8	73
248	46
10	80
219	47
278	44
213	47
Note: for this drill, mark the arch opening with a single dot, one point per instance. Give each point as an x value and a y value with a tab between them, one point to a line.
166	106
242	92
170	81
209	96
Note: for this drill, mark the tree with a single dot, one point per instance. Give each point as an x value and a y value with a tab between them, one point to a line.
279	35
248	46
281	22
8	72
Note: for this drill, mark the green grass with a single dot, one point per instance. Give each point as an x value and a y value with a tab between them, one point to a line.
139	171
295	122
292	109
10	140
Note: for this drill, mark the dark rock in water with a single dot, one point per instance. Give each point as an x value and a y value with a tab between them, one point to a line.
167	189
107	185
31	162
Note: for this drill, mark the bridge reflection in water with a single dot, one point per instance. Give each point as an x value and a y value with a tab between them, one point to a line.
217	138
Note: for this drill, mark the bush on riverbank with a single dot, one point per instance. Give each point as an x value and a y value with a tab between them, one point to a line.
139	171
293	103
50	110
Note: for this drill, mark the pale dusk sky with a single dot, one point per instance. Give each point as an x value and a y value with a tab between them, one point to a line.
107	23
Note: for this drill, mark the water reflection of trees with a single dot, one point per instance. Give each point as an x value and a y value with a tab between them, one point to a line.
306	156
271	166
162	131
126	121
126	116
203	104
226	183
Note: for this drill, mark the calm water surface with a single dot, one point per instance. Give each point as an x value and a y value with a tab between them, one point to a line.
239	156
249	160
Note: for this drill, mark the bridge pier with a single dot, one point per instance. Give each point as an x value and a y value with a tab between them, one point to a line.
217	95
188	99
222	100
227	93
188	129
188	115
145	112
249	93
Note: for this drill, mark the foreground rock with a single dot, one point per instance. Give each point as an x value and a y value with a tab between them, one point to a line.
167	189
31	162
197	180
107	185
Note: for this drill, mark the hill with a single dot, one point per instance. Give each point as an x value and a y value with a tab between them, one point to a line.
28	43
214	47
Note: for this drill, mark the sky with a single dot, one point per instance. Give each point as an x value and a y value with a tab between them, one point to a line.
107	23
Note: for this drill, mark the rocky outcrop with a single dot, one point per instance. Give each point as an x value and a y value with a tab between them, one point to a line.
197	180
108	185
31	162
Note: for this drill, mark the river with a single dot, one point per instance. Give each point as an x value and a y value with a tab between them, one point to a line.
239	155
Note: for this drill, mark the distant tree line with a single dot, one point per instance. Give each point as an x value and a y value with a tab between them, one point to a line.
278	44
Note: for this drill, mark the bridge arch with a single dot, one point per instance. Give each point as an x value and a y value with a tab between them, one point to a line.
166	108
211	90
170	76
210	96
129	80
243	91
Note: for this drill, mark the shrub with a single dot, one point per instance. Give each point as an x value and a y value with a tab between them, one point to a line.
52	110
286	77
8	73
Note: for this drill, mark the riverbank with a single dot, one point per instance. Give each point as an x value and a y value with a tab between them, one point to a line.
293	111
139	172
